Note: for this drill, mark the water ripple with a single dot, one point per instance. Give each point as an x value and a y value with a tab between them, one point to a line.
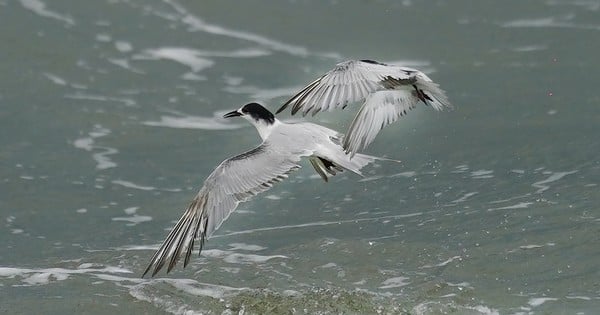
38	7
102	157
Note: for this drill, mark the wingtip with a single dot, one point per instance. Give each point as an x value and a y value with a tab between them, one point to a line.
295	109
147	270
282	108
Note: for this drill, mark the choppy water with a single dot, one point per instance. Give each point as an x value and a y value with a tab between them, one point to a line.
110	122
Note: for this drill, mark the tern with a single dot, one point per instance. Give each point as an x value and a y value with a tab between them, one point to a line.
239	178
387	92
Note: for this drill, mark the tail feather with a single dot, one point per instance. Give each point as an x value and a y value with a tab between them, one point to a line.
431	94
357	162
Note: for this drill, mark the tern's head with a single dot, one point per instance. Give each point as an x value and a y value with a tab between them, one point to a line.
257	115
253	112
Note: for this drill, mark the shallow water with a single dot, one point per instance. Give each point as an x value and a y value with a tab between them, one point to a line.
110	114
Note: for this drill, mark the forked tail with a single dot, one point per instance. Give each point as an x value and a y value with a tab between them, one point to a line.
431	94
327	168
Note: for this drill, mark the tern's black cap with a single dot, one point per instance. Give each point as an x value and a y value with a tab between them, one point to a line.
258	112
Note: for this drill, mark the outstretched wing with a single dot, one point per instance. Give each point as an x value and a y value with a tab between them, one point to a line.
235	180
350	81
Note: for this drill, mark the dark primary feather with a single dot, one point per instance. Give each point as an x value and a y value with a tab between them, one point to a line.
373	62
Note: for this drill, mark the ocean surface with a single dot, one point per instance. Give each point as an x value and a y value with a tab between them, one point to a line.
110	115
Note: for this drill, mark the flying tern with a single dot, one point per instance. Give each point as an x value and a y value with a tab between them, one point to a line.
387	92
239	178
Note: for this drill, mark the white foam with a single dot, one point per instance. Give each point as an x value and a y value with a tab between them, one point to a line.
461	168
443	263
540	22
55	79
134	219
482	174
105	38
196	24
539	301
554	177
131	210
529	48
460	284
395	282
592	5
262	94
328	265
124	63
407	174
578	297
185	56
166	303
128	184
520	205
550	22
138	247
101	98
319	223
38	7
192	76
534	246
145	291
87	144
237	258
449	307
132	185
192	122
465	197
362	180
42	276
123	46
244	246
484	310
202	289
234	270
230	80
113	278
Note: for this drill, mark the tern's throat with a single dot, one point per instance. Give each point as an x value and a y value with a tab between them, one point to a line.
265	127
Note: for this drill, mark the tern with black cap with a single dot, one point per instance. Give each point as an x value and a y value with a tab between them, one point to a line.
239	178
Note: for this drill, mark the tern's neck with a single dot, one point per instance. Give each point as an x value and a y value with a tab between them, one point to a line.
265	128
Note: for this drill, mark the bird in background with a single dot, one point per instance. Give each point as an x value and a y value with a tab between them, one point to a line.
239	178
386	91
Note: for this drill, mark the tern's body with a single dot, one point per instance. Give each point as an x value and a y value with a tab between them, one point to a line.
386	91
239	178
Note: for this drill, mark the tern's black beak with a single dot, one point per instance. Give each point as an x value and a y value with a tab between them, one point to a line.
234	113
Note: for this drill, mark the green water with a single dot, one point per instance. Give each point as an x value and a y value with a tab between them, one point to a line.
110	123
